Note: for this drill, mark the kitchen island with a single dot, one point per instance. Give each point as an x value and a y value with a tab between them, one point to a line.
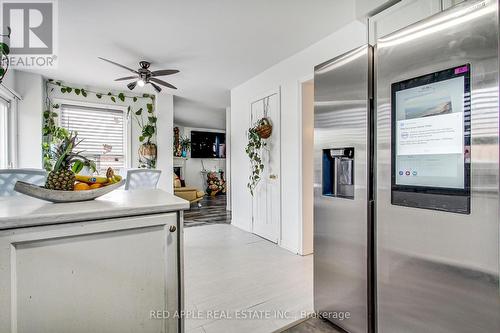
109	265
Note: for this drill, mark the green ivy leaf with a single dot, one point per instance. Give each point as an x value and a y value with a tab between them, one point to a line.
152	119
138	112
145	95
4	48
121	96
2	71
135	99
55	106
141	138
109	94
63	90
46	114
77	91
113	99
150	107
98	96
84	93
68	89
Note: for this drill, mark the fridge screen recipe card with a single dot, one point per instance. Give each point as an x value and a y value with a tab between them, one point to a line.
429	145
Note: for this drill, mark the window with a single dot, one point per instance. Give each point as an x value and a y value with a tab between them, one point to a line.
4	134
103	131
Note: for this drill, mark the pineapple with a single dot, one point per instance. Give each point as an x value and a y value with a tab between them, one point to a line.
67	163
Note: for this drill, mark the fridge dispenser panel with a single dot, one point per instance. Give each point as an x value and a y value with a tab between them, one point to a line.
338	172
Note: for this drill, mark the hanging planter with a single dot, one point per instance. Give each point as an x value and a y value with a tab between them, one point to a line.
147	155
257	135
264	128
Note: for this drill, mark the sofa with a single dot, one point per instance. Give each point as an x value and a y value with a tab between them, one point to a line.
190	194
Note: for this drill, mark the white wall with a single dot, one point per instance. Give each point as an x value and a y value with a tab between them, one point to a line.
228	158
165	126
286	75
191	114
307	231
193	166
31	88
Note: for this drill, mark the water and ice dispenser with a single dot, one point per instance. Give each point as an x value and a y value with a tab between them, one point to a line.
338	172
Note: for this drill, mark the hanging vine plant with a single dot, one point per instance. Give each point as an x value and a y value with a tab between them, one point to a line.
52	132
253	150
4	54
257	135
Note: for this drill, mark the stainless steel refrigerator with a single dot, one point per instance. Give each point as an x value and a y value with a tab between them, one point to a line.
407	179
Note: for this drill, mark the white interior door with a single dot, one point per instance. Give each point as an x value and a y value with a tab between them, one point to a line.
266	202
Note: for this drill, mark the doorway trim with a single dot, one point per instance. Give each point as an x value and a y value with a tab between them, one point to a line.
300	82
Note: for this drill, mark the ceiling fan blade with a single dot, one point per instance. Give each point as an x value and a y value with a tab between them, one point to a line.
132	85
117	64
163	72
157	88
126	78
163	83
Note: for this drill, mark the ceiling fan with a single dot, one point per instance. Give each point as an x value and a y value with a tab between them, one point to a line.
144	76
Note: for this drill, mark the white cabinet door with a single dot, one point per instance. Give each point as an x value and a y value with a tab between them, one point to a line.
266	203
97	276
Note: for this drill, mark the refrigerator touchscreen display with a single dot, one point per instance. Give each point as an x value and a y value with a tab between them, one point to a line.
430	134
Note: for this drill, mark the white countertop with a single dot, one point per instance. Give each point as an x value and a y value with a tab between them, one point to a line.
23	211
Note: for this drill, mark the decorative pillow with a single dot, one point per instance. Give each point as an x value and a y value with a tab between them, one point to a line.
177	181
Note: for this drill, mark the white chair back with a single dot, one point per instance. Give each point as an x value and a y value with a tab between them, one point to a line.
142	179
9	177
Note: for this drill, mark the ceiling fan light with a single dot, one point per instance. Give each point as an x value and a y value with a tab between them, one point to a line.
141	83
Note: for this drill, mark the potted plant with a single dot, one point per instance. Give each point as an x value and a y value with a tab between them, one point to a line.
148	149
264	127
185	144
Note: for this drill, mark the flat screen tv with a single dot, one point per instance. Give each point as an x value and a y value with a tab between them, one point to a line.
208	144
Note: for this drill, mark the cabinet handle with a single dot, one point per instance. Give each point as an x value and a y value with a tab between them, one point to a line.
172	228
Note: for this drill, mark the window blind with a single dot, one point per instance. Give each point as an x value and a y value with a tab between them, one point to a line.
103	132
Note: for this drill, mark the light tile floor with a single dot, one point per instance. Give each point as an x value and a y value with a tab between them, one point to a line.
238	273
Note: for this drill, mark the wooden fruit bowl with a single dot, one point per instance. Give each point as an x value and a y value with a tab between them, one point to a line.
43	193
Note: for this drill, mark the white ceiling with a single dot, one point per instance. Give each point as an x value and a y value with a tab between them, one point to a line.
216	44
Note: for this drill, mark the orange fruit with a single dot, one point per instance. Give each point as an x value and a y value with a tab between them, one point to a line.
94	186
81	187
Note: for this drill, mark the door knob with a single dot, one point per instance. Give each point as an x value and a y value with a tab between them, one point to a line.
172	228
273	176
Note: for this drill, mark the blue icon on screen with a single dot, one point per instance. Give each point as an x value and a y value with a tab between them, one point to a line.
414	173
400	173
